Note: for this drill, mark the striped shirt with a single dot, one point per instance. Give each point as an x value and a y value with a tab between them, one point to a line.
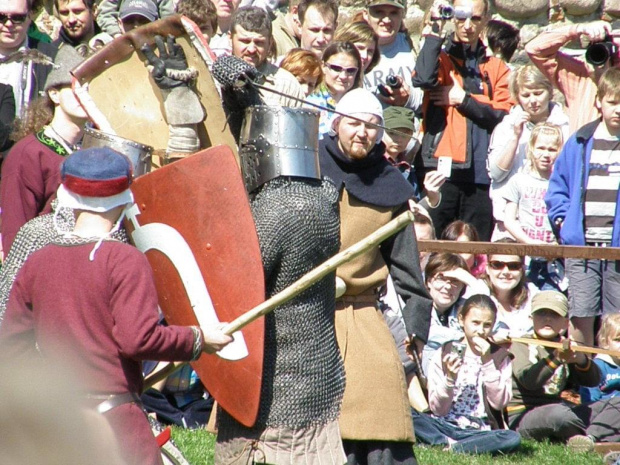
602	186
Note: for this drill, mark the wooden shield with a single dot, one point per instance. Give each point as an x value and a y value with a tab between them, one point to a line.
193	220
123	90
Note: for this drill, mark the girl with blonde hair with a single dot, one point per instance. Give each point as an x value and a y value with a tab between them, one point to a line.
507	148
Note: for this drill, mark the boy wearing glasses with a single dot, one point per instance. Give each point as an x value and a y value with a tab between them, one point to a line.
27	78
582	204
466	96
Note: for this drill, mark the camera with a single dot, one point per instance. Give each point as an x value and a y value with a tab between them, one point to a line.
458	348
446	12
391	81
599	53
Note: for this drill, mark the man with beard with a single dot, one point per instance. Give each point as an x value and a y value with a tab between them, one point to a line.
251	41
78	21
376	417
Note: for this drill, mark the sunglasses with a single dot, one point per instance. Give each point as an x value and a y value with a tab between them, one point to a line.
15	19
512	266
339	69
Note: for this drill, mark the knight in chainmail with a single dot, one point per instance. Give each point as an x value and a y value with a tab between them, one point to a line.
297	220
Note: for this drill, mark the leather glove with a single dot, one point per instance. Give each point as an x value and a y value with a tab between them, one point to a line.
171	57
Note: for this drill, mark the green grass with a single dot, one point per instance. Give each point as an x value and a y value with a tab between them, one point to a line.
197	446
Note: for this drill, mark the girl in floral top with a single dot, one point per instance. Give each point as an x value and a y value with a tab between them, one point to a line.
468	388
342	71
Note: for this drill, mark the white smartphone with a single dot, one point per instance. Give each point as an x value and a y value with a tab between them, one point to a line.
444	166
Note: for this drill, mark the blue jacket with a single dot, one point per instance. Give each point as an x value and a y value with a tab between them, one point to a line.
567	189
610	375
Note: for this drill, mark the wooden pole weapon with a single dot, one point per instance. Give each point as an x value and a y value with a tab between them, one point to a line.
300	285
565	345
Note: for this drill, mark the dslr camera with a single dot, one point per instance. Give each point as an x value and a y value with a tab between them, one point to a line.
599	53
391	81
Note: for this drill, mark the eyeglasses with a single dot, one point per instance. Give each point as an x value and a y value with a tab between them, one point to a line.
512	266
474	19
15	19
339	69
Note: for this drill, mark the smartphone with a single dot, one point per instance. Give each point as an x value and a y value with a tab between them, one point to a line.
458	348
444	166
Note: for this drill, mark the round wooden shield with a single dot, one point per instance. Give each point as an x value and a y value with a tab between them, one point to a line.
124	92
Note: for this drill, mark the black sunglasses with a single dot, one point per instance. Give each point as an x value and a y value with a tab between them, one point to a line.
339	69
512	266
15	19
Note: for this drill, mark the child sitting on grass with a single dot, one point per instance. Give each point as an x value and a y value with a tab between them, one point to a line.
541	374
469	387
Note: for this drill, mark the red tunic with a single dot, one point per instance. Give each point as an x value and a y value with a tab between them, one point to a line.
30	177
101	318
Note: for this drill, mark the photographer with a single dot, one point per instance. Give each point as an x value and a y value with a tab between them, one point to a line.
466	96
576	79
397	56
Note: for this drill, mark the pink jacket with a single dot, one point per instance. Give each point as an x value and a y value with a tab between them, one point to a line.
497	382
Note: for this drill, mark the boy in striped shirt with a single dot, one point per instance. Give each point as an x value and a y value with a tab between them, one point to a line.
582	203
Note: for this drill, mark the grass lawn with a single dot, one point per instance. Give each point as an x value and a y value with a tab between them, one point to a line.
197	446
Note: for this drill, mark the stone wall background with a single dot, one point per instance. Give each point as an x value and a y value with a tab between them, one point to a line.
530	16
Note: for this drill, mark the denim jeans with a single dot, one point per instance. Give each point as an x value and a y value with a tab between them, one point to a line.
436	431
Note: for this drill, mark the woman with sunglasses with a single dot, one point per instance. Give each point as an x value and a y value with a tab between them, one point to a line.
505	276
342	71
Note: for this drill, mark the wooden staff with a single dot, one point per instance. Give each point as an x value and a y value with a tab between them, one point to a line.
565	345
321	271
300	285
546	251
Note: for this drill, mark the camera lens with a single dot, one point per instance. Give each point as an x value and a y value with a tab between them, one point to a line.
392	81
446	12
599	53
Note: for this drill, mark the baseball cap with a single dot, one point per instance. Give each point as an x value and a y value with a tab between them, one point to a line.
398	118
396	3
550	300
144	8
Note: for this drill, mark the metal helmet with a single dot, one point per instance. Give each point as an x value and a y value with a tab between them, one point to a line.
278	141
138	154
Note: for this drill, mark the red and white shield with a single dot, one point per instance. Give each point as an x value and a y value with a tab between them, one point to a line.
193	221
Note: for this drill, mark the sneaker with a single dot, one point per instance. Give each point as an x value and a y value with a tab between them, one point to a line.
612	458
581	443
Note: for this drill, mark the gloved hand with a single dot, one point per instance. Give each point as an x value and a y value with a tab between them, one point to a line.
171	57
